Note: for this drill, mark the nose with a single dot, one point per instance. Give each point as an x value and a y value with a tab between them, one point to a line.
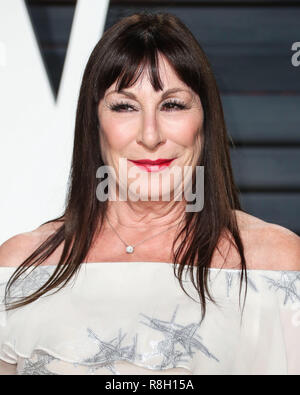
149	134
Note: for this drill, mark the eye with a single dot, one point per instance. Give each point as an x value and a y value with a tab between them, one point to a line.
174	104
121	107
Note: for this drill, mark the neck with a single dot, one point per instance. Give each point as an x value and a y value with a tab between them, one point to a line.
145	215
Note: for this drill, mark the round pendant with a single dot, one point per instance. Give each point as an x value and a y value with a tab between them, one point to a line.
129	249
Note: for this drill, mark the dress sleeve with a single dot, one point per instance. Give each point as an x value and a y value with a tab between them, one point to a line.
6	352
287	288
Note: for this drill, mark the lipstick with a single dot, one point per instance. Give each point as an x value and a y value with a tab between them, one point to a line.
152	165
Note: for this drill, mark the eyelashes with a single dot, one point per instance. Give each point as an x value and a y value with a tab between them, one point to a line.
170	105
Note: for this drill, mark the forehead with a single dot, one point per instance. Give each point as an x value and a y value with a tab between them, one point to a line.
166	73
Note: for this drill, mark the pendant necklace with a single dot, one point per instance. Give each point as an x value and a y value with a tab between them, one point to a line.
130	248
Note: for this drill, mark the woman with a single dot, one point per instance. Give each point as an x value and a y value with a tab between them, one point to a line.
147	286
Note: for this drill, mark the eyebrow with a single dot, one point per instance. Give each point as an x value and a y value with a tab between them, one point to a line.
164	95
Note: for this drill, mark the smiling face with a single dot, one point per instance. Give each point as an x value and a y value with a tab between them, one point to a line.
139	123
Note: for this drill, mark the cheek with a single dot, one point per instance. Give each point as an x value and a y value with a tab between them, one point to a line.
186	130
117	133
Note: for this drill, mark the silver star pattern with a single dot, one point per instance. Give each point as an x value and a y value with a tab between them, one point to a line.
38	367
179	341
229	281
287	283
28	283
177	346
110	352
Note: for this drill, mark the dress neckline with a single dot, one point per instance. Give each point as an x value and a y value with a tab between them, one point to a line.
225	270
172	264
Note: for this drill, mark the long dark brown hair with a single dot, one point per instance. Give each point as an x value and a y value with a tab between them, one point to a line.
121	55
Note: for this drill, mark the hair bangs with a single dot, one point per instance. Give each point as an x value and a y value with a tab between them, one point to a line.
130	74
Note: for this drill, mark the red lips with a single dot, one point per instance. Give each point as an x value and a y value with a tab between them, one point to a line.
152	165
152	162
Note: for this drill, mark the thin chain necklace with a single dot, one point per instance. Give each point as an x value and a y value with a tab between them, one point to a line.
130	248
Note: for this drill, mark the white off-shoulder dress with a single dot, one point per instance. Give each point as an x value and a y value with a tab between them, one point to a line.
134	318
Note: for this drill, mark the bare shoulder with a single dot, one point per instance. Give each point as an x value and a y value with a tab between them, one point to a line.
18	247
268	246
